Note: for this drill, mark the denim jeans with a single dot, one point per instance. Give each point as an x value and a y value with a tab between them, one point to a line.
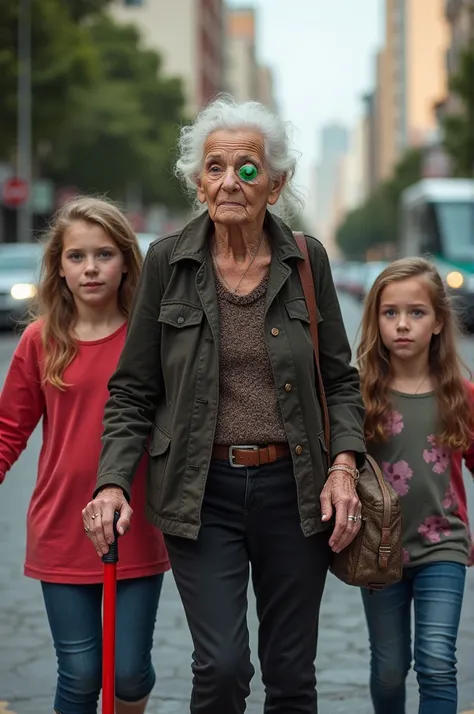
75	619
436	590
250	520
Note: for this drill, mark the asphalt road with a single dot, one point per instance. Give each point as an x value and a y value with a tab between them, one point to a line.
27	662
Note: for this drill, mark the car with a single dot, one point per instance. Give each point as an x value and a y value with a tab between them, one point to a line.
20	265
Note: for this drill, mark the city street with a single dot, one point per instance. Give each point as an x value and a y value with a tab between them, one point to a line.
27	661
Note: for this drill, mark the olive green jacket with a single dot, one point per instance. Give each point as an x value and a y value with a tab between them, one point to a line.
164	394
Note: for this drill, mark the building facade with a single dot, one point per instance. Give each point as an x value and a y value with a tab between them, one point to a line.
189	36
246	79
411	77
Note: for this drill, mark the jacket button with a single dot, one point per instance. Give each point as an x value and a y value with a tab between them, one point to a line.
288	387
275	331
180	320
298	449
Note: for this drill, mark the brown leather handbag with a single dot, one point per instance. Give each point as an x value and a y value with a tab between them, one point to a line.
374	558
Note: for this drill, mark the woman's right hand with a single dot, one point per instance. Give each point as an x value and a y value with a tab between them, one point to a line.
98	517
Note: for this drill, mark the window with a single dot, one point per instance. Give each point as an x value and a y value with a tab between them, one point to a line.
456	227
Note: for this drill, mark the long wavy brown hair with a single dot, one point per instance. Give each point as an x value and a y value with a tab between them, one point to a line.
373	358
54	304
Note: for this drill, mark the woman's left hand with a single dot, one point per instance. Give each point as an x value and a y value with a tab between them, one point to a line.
340	493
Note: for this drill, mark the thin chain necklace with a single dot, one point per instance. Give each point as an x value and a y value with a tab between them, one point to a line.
231	289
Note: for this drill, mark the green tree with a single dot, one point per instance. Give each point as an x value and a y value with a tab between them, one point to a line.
63	59
459	128
375	222
126	129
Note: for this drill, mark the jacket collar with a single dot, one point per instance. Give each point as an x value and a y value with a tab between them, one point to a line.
192	242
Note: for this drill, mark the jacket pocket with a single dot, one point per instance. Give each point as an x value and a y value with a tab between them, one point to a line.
159	442
297	310
324	451
159	451
180	315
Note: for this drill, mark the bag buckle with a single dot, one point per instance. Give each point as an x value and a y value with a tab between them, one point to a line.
243	447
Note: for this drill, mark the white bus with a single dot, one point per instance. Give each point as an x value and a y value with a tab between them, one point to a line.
437	221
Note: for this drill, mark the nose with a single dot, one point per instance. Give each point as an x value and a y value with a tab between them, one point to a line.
91	267
402	322
230	182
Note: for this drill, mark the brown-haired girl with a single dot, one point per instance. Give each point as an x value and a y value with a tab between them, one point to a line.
59	373
419	425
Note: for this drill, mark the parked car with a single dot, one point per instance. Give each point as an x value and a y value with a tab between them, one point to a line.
19	274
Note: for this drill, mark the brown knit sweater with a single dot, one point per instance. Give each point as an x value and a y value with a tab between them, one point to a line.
248	405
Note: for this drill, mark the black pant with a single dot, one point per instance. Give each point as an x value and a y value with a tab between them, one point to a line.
250	517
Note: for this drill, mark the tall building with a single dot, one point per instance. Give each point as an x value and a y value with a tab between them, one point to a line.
245	78
266	88
334	143
460	18
189	35
411	77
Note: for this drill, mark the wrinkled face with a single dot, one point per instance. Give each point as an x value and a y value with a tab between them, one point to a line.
407	320
234	181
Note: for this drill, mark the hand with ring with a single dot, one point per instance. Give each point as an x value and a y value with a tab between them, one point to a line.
340	493
98	517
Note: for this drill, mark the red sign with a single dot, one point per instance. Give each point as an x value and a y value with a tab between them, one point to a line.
15	192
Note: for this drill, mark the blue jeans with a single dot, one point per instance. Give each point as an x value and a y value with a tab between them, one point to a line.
75	618
437	591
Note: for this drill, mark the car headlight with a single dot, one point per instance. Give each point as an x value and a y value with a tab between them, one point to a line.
455	279
23	291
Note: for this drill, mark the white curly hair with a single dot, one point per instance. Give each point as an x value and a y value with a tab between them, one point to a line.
225	113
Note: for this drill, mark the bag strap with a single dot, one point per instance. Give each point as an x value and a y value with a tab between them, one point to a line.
307	282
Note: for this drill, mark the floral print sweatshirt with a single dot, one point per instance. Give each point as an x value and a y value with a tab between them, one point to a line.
428	479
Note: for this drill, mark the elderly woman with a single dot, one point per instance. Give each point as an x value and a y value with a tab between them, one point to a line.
217	380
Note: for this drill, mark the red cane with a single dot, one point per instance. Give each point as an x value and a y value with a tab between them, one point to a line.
110	561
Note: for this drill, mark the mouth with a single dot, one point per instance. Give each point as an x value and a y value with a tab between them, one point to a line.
230	203
92	285
403	341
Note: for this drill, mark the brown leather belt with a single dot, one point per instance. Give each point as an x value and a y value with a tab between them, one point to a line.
239	456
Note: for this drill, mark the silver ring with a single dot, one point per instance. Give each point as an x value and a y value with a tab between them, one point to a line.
86	530
352	518
95	515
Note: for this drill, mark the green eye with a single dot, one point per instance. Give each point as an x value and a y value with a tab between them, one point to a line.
248	172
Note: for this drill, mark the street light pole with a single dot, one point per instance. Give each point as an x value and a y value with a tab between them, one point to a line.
24	222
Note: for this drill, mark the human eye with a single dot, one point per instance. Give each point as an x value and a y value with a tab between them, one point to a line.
75	256
389	312
106	253
418	313
248	172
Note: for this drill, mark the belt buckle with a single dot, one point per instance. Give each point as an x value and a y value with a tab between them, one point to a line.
245	447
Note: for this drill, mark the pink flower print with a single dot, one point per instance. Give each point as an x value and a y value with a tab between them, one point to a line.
450	501
434	527
397	475
394	423
439	455
406	556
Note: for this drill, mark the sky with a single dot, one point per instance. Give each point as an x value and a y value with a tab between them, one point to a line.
322	53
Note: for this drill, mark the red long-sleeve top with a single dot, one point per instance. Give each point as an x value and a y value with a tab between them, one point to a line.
57	549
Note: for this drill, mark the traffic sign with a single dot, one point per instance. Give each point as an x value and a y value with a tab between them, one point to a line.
15	192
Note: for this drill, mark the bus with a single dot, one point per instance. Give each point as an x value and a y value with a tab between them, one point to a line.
437	222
